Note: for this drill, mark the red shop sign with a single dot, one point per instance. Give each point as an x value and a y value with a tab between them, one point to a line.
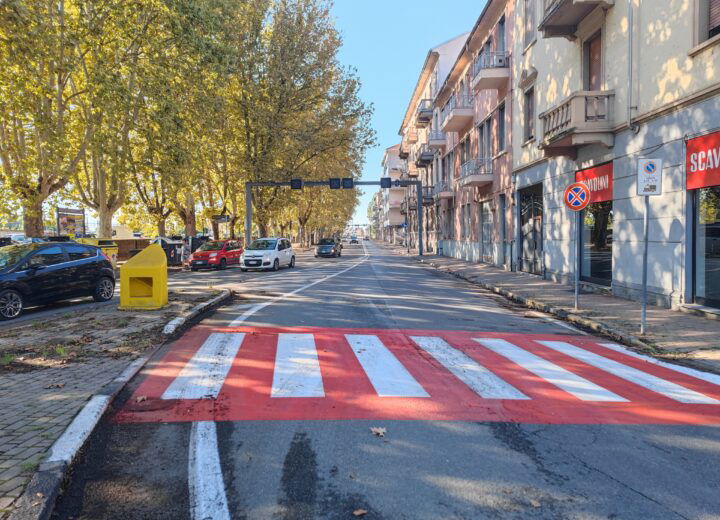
599	181
702	158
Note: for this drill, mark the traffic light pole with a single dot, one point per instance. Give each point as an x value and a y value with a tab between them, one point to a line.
311	184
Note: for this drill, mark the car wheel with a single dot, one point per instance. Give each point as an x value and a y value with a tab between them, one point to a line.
292	262
104	289
223	264
276	265
11	304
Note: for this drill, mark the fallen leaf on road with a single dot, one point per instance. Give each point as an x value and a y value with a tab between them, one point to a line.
55	385
378	432
352	476
359	512
140	398
534	503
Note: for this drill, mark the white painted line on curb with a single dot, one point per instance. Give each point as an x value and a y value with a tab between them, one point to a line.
297	368
205	481
554	374
67	446
244	316
387	375
705	376
635	376
204	375
481	380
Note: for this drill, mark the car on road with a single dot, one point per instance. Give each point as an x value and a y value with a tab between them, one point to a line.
215	254
328	247
366	238
44	272
268	253
354	240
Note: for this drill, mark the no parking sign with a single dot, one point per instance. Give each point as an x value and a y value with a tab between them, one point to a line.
577	196
649	177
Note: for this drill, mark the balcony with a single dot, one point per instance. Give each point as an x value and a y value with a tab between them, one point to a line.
424	113
458	113
586	117
428	195
404	151
394	203
491	70
443	190
476	172
424	156
437	140
411	136
412	170
562	17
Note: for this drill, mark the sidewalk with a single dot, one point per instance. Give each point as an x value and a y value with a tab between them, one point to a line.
49	369
671	334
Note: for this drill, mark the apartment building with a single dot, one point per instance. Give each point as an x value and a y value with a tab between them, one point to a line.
597	85
423	142
392	221
474	111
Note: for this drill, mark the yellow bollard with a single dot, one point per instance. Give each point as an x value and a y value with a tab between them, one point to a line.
143	280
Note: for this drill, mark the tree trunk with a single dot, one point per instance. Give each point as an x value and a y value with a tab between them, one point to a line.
231	225
33	219
161	227
215	230
190	218
105	217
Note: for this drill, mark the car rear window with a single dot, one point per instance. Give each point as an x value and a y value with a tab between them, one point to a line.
263	245
80	252
212	246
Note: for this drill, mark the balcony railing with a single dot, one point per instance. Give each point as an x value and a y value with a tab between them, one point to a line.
437	140
444	189
458	112
586	117
491	70
424	156
562	17
424	112
491	60
478	166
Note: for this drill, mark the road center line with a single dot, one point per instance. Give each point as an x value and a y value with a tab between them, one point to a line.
205	480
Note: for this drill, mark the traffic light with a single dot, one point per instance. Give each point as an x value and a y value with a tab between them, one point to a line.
296	184
385	182
335	184
348	183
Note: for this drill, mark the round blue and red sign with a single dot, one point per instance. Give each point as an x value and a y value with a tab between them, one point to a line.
577	196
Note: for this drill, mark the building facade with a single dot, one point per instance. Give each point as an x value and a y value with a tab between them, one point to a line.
393	222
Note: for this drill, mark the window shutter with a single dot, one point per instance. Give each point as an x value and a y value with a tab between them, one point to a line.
714	13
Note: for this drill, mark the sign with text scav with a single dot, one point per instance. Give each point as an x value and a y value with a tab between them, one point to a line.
577	196
702	161
649	177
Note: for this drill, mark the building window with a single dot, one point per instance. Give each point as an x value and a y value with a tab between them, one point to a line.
713	18
501	128
529	22
529	114
500	40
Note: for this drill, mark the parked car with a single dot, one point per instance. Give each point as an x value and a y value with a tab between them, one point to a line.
215	254
328	247
354	240
40	273
268	253
366	237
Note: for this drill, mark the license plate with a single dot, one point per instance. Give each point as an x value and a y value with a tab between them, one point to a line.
253	262
199	262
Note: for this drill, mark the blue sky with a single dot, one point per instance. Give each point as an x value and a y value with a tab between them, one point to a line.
387	42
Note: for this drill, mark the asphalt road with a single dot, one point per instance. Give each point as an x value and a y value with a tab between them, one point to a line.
264	411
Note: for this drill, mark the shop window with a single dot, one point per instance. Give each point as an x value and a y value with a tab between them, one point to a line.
597	236
707	246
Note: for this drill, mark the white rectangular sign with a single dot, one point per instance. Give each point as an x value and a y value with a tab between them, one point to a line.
649	177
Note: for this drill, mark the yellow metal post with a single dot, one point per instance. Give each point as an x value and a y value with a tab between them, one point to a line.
143	280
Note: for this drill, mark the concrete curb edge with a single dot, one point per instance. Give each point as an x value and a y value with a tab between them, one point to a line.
38	500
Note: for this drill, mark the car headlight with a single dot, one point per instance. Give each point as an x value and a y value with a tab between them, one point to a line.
266	256
213	255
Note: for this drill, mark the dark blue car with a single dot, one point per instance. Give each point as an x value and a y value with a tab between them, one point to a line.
45	272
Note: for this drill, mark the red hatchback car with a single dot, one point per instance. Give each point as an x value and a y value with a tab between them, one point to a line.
216	254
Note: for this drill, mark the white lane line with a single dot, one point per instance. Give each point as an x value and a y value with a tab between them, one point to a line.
705	376
244	316
297	369
481	380
552	373
205	373
638	377
387	375
205	481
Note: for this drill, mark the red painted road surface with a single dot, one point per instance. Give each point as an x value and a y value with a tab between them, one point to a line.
348	390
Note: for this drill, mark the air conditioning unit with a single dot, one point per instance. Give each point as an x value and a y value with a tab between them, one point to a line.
498	61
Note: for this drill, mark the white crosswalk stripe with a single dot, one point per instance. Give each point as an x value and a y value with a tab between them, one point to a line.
387	375
483	382
297	368
205	373
635	376
550	372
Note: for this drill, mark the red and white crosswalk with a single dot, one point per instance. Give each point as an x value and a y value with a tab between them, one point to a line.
248	373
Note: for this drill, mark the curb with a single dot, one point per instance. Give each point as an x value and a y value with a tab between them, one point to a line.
38	500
